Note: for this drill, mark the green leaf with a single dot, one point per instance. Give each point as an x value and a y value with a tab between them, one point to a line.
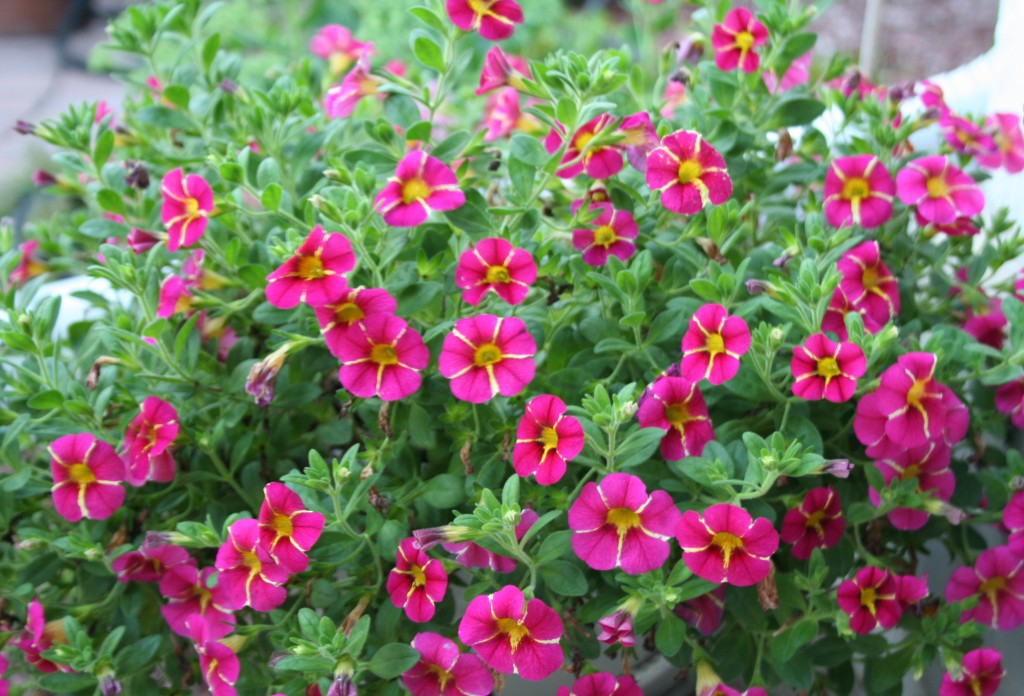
564	578
210	49
357	637
304	663
177	95
66	682
393	659
528	149
104	147
427	16
510	491
47	400
163	117
429	53
522	175
638	447
271	197
796	46
786	644
794	111
110	201
670	635
451	146
134	658
444	492
268	173
543	521
554	546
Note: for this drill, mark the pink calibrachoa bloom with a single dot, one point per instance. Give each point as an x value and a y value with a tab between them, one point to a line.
545	439
421	184
502	70
1013	520
982	673
966	136
858	191
996	579
817	524
444	671
336	44
688	172
725	544
869	285
218	662
961	227
602	684
494	265
825	369
940	190
618	525
341	100
617	628
149	563
486	355
475	556
705	612
250	574
175	297
503	115
496	20
912	400
87	476
512	635
189	594
713	345
28	267
382	356
356	304
929	465
287	529
417	582
799	73
1010	400
598	162
988	325
1009	141
871	600
315	274
639	138
188	202
835	317
146	441
676	405
141	241
612	234
39	636
735	38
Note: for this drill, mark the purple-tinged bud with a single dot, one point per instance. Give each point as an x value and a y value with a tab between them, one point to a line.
24	127
840	468
141	241
263	376
137	176
41	177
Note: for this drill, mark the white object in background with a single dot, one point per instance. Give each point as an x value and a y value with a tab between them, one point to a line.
74	309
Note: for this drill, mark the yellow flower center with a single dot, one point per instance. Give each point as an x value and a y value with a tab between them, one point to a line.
419	578
828	367
916	393
869	279
993	585
582	140
715	344
976	686
486	354
414	189
678	414
480	6
689	170
339	62
728	542
384	354
497	274
549	438
937	187
515	631
856	187
814	520
911	471
443	676
623	518
867	599
311	268
251	560
605	235
191	207
81	473
349	313
368	86
744	41
282	524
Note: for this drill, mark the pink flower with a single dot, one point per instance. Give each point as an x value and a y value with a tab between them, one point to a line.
315	274
355	304
87	476
676	405
217	329
940	190
966	136
869	285
996	579
617	628
871	600
933	97
250	574
287	529
188	201
149	563
735	38
982	672
486	355
599	162
496	20
705	612
189	595
421	184
834	320
989	326
141	241
961	227
147	440
713	345
602	684
825	369
382	356
341	100
38	637
858	191
501	70
612	234
335	44
28	267
493	264
688	172
475	556
726	545
618	525
218	663
417	582
817	524
1009	141
639	138
1010	400
1013	520
444	671
799	73
674	97
175	297
911	400
545	439
503	115
513	636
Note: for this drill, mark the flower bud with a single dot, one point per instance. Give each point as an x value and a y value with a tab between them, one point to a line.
24	127
93	378
430	537
840	468
41	177
263	376
141	241
137	176
617	628
109	685
756	287
228	85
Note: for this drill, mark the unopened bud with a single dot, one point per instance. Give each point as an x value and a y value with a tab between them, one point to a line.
840	468
263	376
784	260
137	176
629	409
756	287
109	685
228	85
24	127
93	378
776	335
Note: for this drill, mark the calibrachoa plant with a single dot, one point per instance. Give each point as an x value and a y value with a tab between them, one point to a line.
412	362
